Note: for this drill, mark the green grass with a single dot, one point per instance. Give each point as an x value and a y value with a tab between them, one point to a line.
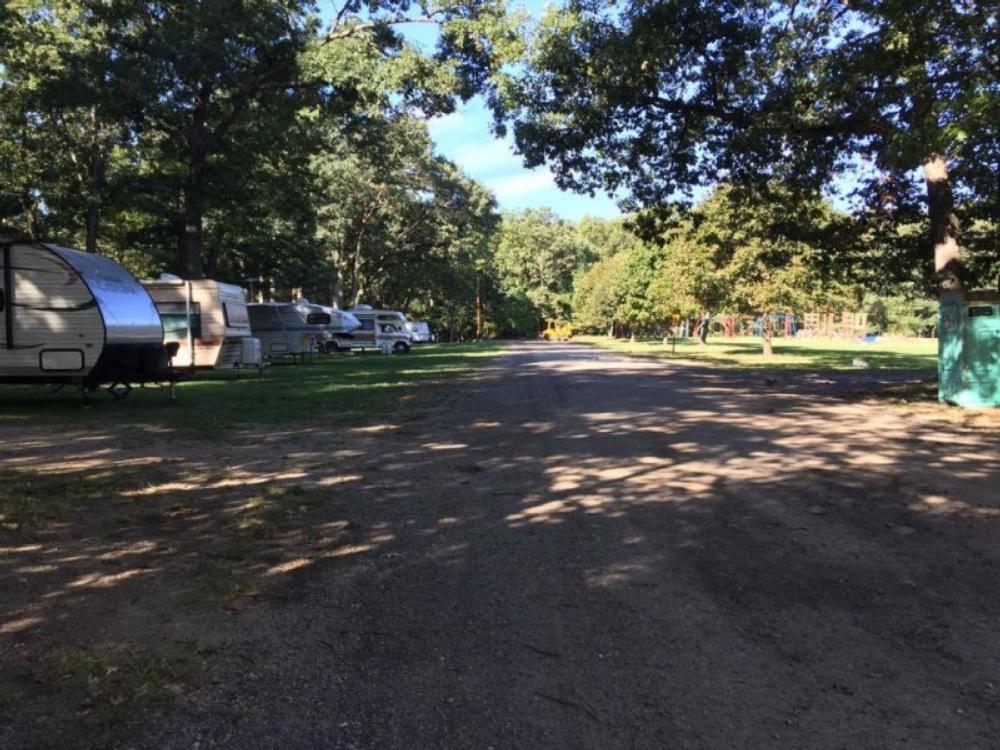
789	354
29	498
343	389
111	692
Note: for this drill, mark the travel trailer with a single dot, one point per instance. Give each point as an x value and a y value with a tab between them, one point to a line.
209	322
73	317
419	331
380	329
284	331
340	322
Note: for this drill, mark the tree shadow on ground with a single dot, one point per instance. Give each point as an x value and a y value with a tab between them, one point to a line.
573	552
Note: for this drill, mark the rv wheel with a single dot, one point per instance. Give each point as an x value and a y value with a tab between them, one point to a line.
401	347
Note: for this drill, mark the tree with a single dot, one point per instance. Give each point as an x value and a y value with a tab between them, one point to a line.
62	128
658	99
536	257
199	84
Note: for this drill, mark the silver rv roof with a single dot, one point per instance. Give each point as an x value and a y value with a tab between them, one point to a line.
130	316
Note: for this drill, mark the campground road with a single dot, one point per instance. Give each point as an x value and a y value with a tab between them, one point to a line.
581	550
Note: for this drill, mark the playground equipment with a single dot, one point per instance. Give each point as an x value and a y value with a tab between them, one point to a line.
781	324
969	349
825	325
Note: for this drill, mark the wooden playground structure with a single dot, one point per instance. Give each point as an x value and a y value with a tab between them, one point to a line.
828	324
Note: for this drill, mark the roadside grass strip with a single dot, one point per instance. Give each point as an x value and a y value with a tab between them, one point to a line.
341	388
789	353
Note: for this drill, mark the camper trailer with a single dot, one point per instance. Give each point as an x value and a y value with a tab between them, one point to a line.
208	320
73	317
380	329
419	331
340	322
285	331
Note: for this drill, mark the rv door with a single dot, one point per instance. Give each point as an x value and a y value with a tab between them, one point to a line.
6	303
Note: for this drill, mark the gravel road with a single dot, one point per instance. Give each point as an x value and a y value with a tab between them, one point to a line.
581	550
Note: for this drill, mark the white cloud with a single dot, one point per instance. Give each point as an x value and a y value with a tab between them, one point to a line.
514	186
486	157
446	124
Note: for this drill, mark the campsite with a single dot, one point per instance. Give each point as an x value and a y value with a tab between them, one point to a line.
477	374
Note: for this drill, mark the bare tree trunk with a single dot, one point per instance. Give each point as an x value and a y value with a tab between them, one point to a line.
479	310
767	336
944	223
190	240
93	222
338	282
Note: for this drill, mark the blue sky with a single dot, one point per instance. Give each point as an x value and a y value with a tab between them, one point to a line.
464	137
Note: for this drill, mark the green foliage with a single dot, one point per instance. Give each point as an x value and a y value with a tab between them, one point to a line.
180	135
536	258
733	253
878	317
654	100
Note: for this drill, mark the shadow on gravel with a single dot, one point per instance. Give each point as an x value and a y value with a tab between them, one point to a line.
574	553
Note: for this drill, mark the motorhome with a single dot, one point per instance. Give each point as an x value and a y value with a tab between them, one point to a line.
208	320
340	321
73	317
380	329
419	331
285	331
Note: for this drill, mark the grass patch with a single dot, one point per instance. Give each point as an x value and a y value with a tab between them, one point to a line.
263	516
95	696
789	354
217	584
341	388
30	498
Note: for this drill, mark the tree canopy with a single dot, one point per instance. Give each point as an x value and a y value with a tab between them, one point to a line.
654	101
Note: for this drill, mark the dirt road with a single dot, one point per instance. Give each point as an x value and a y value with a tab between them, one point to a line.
580	550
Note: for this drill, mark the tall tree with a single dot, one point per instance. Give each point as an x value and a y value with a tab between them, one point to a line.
209	65
536	257
62	125
657	99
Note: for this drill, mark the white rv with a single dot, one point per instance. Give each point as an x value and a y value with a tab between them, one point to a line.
284	330
208	320
380	329
419	331
73	317
340	321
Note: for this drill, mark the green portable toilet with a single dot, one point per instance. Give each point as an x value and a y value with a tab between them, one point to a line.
969	349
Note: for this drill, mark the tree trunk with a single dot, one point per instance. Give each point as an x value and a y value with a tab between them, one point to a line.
479	310
944	223
93	222
767	336
338	283
190	240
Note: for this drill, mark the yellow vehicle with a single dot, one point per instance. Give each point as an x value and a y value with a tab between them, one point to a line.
557	331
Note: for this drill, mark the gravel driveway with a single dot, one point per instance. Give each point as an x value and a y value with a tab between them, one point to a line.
580	550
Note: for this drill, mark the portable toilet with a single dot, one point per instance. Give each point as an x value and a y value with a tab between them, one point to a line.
969	349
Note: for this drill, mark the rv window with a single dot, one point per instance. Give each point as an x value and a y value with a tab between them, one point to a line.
386	328
235	315
318	319
368	325
174	319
